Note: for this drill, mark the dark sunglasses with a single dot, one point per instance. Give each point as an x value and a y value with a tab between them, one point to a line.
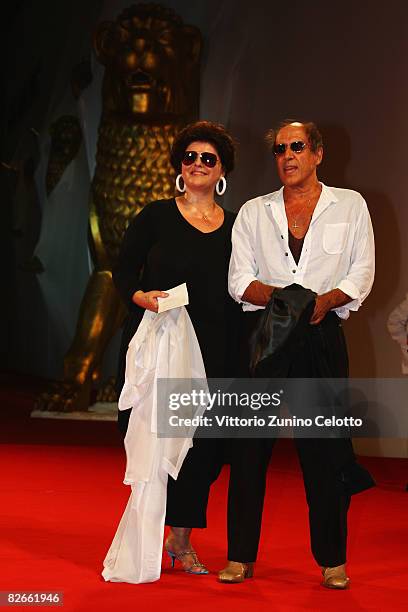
296	147
208	159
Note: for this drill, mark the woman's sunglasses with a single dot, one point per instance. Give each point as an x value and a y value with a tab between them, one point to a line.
296	147
208	159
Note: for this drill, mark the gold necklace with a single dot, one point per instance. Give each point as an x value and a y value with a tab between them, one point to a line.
204	215
305	207
294	224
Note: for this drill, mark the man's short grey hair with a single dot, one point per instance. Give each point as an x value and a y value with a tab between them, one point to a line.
311	129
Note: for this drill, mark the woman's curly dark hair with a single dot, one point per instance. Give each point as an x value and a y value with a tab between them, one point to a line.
204	131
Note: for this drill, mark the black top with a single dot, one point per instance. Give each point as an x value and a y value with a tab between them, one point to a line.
160	250
296	246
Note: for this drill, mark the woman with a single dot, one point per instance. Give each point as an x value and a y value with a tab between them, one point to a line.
187	239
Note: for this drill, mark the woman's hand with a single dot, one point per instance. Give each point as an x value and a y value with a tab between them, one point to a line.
148	300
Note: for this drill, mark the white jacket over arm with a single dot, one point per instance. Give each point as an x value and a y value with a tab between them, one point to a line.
164	347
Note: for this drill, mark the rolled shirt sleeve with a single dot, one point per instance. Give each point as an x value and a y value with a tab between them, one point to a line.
360	277
243	268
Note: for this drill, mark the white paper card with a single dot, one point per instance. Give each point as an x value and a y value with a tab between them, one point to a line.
178	296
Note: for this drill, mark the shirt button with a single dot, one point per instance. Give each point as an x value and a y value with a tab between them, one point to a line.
282	237
286	254
294	271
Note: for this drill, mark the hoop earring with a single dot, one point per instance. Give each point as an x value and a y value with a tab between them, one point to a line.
221	190
180	189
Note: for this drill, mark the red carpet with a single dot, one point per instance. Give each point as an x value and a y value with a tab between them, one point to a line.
60	507
61	502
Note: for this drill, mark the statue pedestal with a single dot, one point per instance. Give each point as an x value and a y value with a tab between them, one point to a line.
101	411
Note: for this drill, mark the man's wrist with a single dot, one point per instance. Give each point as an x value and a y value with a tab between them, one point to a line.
336	298
257	293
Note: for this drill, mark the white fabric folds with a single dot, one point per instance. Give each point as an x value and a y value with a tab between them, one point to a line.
164	347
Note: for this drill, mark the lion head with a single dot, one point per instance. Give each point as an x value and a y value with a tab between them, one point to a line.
151	64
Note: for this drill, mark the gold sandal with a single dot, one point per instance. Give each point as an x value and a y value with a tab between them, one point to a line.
236	572
201	569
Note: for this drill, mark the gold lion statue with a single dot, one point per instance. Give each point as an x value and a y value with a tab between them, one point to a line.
150	90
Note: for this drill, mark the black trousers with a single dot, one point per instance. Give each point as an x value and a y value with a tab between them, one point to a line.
328	501
321	461
324	353
327	498
187	497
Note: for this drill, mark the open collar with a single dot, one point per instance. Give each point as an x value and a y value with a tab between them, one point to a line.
276	204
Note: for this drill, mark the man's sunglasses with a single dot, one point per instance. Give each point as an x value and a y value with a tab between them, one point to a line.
296	147
208	159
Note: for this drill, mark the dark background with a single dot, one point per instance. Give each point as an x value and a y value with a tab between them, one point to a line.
341	64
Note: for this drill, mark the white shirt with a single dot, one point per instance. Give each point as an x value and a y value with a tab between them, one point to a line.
338	249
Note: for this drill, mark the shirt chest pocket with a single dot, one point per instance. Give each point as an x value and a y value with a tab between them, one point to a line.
335	237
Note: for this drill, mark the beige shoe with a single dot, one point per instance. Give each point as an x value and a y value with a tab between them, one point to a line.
236	572
335	577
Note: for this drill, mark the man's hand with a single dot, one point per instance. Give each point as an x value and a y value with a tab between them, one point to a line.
326	302
257	293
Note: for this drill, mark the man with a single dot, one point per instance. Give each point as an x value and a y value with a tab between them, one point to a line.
320	238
